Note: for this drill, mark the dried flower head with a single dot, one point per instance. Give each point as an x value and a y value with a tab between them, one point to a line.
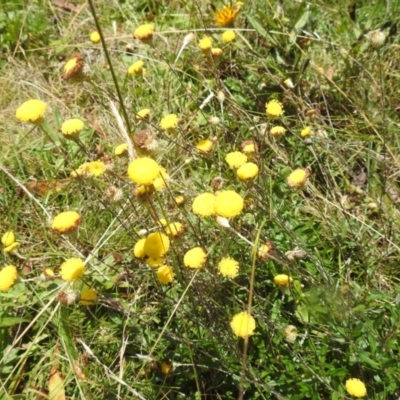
288	83
290	333
376	39
195	258
145	140
265	250
274	109
66	222
144	33
227	15
72	269
8	277
66	297
75	70
143	193
175	229
228	267
228	204
180	200
71	128
243	324
114	194
31	111
143	115
217	183
143	171
356	388
228	36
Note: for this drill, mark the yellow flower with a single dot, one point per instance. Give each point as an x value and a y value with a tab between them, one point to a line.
31	111
143	171
71	128
48	272
95	37
247	171
227	15
205	44
180	200
11	247
72	269
228	267
228	204
175	229
138	249
249	147
88	297
121	149
169	123
166	367
195	258
243	324
155	262
228	36
161	181
66	222
204	205
306	132
8	238
8	276
283	280
204	146
75	69
297	178
216	52
236	159
355	387
89	169
144	33
274	109
143	114
277	131
165	274
156	245
136	68
264	251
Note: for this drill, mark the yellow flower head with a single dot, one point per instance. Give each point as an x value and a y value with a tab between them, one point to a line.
72	269
165	274
247	171
297	178
136	68
249	147
95	37
215	52
11	247
155	262
228	267
227	15
143	114
195	258
66	222
205	44
161	181
243	324
166	367
356	388
31	111
88	297
236	159
144	33
175	229
204	205
274	109
8	277
75	69
283	280
277	131
228	204
143	171
121	149
228	36
169	123
71	128
138	249
306	132
264	251
156	245
204	146
89	169
8	238
180	200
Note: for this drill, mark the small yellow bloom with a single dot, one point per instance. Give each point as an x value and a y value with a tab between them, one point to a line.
75	70
156	245
306	132
165	274
143	114
274	109
155	262
236	159
297	178
66	222
204	205
195	258
72	269
228	204
166	367
228	36
169	123
121	149
228	267
71	128
264	251
277	131
8	238
216	52
31	111
11	247
89	169
136	68
283	280
227	15
204	146
143	171
138	249
180	200
175	229
249	147
8	277
356	388
205	44
144	33
49	272
95	37
247	171
161	181
243	324
88	297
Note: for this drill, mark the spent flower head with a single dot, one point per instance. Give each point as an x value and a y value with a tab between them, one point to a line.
144	33
75	69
